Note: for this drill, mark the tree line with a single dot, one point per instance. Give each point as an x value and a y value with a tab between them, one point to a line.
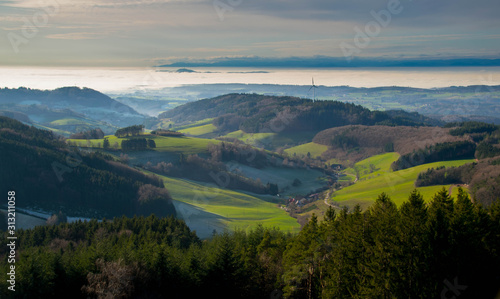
196	168
444	248
482	178
438	152
137	144
134	130
255	113
470	127
88	134
167	133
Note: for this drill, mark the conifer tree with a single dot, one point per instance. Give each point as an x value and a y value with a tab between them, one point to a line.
440	214
413	248
380	268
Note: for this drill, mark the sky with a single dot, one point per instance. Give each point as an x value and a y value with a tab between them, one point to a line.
132	33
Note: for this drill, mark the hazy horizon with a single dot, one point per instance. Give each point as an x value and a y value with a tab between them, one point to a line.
114	46
118	80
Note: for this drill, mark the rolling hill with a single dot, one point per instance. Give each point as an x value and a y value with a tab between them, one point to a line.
355	143
206	207
397	184
301	138
67	110
46	174
252	113
474	102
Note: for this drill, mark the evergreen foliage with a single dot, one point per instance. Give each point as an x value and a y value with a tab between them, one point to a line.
470	127
134	130
486	149
482	178
415	251
45	172
253	113
438	152
134	144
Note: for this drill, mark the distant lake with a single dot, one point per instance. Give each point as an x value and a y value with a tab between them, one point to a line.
118	80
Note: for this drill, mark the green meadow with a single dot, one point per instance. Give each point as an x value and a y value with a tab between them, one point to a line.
234	209
310	179
199	123
199	130
397	185
68	121
312	148
251	138
372	167
272	140
185	145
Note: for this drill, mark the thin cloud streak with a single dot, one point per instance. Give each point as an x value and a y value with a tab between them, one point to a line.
143	31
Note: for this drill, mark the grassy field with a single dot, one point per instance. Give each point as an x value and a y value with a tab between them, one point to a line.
68	121
313	148
199	123
229	209
397	185
163	124
185	145
251	138
272	140
372	167
200	130
311	179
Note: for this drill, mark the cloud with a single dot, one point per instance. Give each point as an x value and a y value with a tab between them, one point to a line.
144	29
88	5
359	10
78	35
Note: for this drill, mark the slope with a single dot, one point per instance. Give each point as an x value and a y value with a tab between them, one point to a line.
396	184
254	113
45	173
355	143
231	209
52	108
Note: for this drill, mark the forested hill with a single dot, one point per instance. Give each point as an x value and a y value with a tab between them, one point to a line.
438	247
44	172
260	113
67	110
62	97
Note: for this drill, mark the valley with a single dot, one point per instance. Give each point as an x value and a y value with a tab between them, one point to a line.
250	149
239	182
243	159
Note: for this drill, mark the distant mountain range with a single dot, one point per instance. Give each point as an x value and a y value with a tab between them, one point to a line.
325	61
